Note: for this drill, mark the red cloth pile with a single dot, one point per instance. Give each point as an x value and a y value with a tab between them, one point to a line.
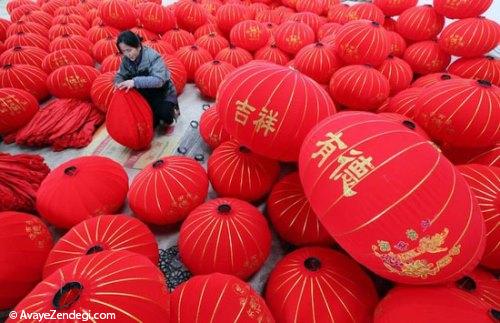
62	123
20	177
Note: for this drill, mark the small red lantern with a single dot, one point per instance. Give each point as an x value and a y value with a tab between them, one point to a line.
190	15
167	190
316	6
71	19
213	43
291	36
178	72
14	4
71	41
27	39
25	77
250	35
404	102
118	14
420	23
156	18
338	13
426	57
430	79
317	61
161	46
365	11
461	9
228	15
40	17
235	56
207	29
394	8
102	90
211	128
111	63
145	34
66	28
23	55
480	68
99	32
398	72
26	27
72	81
268	16
17	107
209	76
309	18
4	25
398	43
330	28
178	38
104	48
192	57
273	54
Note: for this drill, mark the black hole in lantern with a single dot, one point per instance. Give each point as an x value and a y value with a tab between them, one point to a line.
312	264
94	249
484	83
67	295
376	24
244	150
70	171
490	58
445	77
467	284
409	124
158	163
495	314
224	209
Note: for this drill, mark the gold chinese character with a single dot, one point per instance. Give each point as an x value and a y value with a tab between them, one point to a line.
243	110
293	40
357	167
327	147
266	121
253	33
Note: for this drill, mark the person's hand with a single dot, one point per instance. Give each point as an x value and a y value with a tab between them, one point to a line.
125	85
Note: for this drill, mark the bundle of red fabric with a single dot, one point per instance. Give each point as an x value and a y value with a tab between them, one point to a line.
20	177
62	123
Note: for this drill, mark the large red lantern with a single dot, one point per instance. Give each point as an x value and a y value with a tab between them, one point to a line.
72	81
432	304
420	23
485	184
129	120
461	9
404	102
235	56
101	233
111	63
211	129
250	35
269	108
341	161
483	285
318	61
213	43
470	37
394	8
209	76
291	36
102	90
426	57
235	171
118	14
192	57
178	38
25	242
178	72
430	79
223	298
213	247
71	41
27	39
156	18
461	113
26	27
398	73
362	42
104	48
66	28
365	11
190	15
23	55
292	216
17	107
25	77
272	54
99	32
359	87
90	186
167	190
317	284
121	283
338	13
480	68
228	15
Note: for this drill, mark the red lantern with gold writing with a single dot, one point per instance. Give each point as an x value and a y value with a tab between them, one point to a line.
211	129
71	41
461	9
341	161
104	48
190	15
192	57
66	28
398	43
101	31
178	38
250	35
365	11
72	81
27	39
394	8
479	68
102	90
17	107
398	73
25	77
228	15
420	23
292	36
426	57
156	18
111	63
118	14
209	76
272	54
23	55
270	108
318	61
26	27
338	13
178	73
212	42
235	56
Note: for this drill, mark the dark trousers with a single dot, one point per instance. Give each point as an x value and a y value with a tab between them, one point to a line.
162	110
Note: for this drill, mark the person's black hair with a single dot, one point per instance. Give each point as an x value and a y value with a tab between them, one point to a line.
128	38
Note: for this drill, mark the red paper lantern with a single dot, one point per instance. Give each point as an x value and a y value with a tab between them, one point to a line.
490	157
365	11
190	15
192	57
13	4
207	29
214	248
129	120
406	122
111	63
230	14
235	171
27	39
71	19
389	24
161	46
72	81
87	5
394	8
292	216
20	11
318	61
404	102
420	23
17	107
362	42
341	160
483	285
398	73
70	183
26	27
327	286
51	6
102	233
290	102
224	298
118	14
359	87
480	68
178	38
92	15
235	56
178	73
484	182
145	34
102	90
426	57
309	18
328	29
432	304
273	54
66	28
461	113
25	242
23	55
250	35
397	43
209	76
71	41
4	25
470	37
291	36
461	9
269	16
25	77
167	190
213	43
338	13
104	48
211	5
68	9
40	17
64	57
316	6
156	18
97	284
211	128
433	78
99	32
